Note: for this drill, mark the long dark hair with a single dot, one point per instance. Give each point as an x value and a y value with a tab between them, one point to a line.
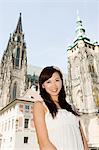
47	73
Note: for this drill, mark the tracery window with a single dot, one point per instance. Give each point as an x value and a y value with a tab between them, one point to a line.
17	57
91	68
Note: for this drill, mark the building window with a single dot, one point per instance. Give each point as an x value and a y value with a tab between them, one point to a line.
85	45
27	108
5	126
10	139
96	96
93	48
25	139
14	91
18	39
26	123
17	57
89	46
12	123
9	125
91	68
22	58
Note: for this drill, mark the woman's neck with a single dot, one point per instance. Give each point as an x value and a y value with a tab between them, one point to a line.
55	98
57	104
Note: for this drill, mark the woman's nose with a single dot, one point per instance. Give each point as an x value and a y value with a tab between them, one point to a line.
53	84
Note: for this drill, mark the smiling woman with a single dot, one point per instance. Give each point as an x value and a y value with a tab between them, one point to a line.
57	124
53	86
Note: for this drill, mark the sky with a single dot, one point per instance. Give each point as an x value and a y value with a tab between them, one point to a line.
49	27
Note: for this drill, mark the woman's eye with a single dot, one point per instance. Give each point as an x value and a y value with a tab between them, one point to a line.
48	82
57	79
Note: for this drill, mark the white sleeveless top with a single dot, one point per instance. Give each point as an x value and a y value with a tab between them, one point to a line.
63	130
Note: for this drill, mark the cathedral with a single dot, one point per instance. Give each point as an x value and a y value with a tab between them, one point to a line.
83	72
14	79
82	89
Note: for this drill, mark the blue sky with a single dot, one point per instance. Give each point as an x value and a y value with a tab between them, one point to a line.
49	27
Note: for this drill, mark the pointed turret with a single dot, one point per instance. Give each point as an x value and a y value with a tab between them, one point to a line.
7	49
80	31
10	38
19	25
9	41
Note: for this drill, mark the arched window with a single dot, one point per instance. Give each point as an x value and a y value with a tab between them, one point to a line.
89	68
17	57
96	96
14	91
22	57
18	39
92	68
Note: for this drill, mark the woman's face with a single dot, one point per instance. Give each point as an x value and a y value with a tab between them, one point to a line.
53	85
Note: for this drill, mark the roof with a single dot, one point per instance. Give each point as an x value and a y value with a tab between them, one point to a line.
31	95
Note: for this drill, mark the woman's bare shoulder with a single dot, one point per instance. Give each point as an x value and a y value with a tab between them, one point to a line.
39	106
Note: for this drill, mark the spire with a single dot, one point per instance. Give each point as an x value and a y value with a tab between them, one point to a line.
19	25
10	38
9	41
80	31
7	48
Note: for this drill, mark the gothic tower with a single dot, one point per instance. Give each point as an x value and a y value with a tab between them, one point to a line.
13	67
83	82
83	72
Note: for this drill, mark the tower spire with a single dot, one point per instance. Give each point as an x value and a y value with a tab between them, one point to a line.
9	41
80	31
19	25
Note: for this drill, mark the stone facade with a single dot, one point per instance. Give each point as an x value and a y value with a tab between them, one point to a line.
83	81
16	126
83	74
13	68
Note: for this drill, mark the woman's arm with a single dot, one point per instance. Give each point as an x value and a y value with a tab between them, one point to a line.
83	137
40	126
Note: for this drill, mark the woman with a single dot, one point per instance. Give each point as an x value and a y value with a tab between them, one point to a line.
56	123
